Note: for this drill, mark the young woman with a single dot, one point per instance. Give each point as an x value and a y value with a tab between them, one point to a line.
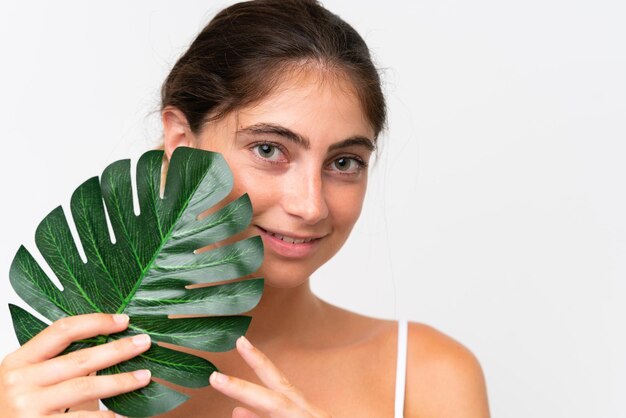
287	92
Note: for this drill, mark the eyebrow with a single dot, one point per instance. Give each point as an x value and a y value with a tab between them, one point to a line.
357	140
270	128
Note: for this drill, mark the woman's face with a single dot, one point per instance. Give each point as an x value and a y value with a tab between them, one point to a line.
301	154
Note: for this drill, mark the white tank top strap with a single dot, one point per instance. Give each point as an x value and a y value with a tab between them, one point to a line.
401	368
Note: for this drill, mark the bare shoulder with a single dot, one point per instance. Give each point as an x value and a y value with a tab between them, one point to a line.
444	378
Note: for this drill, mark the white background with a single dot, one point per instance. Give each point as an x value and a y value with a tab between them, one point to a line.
497	212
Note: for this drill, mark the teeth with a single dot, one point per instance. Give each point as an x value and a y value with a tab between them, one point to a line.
289	239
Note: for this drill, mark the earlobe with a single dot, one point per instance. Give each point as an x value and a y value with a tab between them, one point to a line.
176	132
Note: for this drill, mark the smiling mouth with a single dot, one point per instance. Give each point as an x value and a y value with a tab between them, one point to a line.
286	238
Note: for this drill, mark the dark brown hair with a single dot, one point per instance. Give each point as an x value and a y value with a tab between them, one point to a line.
239	57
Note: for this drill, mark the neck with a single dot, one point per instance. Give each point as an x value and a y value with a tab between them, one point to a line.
285	315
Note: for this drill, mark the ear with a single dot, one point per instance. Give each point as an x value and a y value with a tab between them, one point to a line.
176	131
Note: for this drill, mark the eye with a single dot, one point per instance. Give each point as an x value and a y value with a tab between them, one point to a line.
348	165
268	152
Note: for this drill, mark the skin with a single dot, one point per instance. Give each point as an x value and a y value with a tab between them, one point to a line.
309	359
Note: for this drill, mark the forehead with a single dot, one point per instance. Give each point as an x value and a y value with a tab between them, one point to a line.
312	103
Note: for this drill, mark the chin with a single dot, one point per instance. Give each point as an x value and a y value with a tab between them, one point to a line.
284	276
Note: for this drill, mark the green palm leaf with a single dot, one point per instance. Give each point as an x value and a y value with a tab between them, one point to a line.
145	272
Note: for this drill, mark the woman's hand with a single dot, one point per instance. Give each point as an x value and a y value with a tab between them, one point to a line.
278	398
34	383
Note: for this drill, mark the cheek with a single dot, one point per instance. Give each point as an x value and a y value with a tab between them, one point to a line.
258	188
345	205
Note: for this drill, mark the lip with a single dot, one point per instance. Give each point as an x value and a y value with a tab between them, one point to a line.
288	249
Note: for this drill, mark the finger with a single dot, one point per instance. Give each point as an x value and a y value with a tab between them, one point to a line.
88	414
83	389
253	395
269	374
86	361
58	336
240	412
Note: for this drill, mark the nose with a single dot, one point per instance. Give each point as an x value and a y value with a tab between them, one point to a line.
304	196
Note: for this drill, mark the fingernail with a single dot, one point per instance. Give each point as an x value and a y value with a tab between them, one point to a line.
142	375
245	343
219	378
141	340
120	318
